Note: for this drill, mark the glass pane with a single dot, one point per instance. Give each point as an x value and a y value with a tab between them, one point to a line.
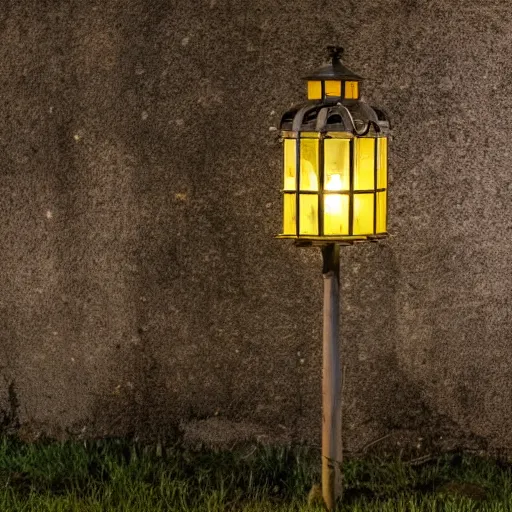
381	212
332	88
314	90
289	212
290	164
340	135
382	172
309	164
351	90
336	214
363	214
336	164
308	214
364	163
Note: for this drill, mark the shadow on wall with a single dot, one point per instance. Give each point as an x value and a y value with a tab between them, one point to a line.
387	409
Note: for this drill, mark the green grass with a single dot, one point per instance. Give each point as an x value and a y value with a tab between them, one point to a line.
122	476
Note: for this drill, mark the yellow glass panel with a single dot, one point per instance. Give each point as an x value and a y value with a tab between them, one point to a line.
363	214
332	88
337	164
308	204
381	212
340	135
351	90
364	163
382	170
290	164
314	90
336	212
309	164
289	215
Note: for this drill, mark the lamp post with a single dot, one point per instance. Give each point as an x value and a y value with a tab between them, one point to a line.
334	194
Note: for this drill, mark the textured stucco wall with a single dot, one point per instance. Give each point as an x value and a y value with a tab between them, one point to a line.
141	287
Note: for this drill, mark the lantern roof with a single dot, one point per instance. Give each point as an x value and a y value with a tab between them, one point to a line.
356	117
335	70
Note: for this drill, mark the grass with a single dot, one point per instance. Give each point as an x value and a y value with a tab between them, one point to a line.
122	476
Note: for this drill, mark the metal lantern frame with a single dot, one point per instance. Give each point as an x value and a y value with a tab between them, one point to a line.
333	116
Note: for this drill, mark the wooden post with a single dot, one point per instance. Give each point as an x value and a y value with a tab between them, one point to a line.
331	380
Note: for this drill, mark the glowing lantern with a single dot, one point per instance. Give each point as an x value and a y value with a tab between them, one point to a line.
335	162
335	193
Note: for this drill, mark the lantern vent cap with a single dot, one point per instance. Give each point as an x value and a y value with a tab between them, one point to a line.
336	70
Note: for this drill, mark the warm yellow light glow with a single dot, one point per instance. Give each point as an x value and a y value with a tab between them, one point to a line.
290	164
347	159
314	90
351	90
364	163
337	164
336	214
332	88
308	204
381	212
309	164
334	182
289	215
363	214
382	162
333	204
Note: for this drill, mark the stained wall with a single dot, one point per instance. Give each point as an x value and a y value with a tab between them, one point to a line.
142	291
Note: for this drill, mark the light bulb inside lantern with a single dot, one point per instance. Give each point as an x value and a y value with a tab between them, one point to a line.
333	205
334	182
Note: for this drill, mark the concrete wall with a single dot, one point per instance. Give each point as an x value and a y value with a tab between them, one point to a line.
142	290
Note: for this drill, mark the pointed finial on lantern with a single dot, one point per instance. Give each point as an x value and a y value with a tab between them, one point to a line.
335	53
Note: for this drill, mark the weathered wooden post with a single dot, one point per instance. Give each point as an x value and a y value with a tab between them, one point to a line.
331	380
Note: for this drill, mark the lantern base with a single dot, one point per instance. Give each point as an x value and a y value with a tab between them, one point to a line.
319	241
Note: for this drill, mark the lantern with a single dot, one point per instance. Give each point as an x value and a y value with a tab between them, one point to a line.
334	193
335	162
